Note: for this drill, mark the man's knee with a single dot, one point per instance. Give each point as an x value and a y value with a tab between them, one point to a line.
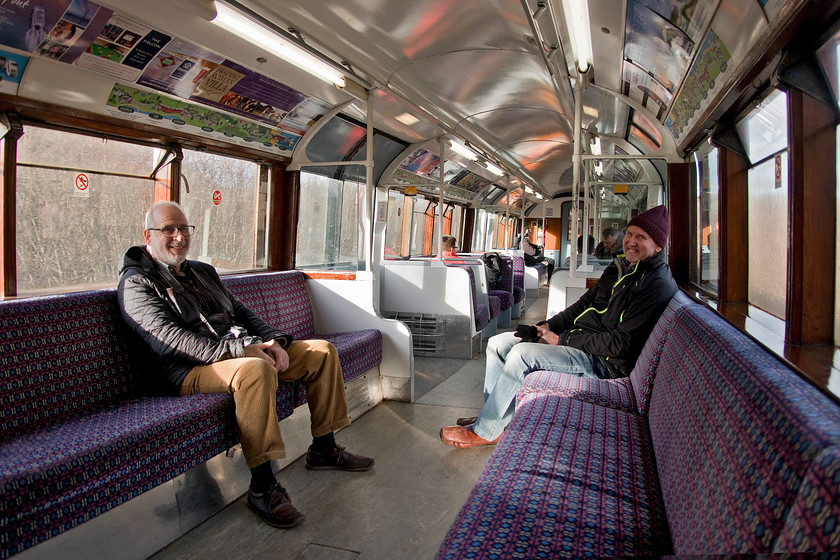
255	372
501	344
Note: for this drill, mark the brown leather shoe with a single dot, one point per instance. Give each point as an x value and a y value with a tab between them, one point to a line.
337	459
463	436
466	421
275	507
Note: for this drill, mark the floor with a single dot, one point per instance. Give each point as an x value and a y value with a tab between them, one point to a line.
401	509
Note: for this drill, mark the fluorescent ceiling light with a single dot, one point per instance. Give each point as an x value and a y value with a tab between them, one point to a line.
577	22
407	119
493	169
529	190
463	150
241	26
539	196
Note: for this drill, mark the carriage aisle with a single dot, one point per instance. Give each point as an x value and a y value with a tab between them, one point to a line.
401	509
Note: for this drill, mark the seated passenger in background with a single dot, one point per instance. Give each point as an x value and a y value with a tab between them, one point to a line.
610	244
448	243
533	253
601	335
201	339
579	251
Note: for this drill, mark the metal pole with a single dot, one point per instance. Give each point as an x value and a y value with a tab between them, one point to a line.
576	163
439	214
367	217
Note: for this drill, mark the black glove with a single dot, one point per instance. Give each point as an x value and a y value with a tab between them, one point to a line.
528	333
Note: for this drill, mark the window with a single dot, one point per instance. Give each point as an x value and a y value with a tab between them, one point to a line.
764	134
226	199
329	234
706	249
81	201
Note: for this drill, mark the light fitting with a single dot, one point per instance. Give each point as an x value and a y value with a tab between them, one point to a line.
407	119
493	169
577	23
462	150
240	25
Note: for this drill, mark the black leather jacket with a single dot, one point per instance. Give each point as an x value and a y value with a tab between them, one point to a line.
169	320
615	317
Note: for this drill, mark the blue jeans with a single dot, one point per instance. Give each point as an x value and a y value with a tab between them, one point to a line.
509	361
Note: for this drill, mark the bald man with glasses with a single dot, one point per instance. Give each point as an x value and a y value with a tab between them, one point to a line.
201	339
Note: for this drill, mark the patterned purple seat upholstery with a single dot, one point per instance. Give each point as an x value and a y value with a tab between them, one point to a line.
358	351
481	311
518	279
630	394
737	455
79	435
582	482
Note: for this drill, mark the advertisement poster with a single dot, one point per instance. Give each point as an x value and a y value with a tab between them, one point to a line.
470	181
638	77
656	45
57	29
422	162
134	104
123	48
178	68
691	16
238	90
700	84
11	70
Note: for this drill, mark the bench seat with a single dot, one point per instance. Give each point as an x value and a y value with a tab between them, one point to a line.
711	446
81	433
65	474
578	483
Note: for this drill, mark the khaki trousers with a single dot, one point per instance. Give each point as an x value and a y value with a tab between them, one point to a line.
253	384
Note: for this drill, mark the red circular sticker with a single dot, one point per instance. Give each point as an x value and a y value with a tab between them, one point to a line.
217	197
82	181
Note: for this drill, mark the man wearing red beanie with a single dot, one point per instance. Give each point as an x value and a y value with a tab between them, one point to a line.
601	335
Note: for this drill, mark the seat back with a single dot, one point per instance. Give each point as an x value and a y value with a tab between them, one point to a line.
63	356
743	444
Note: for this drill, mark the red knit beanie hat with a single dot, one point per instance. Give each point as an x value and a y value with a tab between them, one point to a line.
655	223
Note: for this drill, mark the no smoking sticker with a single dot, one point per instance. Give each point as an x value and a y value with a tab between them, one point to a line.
82	184
217	197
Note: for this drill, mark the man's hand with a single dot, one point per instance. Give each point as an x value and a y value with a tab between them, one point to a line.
271	352
547	336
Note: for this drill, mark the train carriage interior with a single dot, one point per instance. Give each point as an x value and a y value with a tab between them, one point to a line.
324	151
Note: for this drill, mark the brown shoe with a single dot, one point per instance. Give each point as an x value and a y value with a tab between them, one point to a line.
463	436
466	421
337	459
275	507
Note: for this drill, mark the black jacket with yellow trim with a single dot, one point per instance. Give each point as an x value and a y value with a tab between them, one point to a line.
615	317
168	319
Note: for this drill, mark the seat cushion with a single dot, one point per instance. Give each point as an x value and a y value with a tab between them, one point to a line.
568	478
63	475
614	393
358	351
505	298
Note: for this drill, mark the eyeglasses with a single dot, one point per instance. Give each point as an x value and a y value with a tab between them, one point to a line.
171	231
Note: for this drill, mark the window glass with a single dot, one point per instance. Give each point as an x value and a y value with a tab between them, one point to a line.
226	199
396	225
329	225
764	131
768	226
707	224
80	204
